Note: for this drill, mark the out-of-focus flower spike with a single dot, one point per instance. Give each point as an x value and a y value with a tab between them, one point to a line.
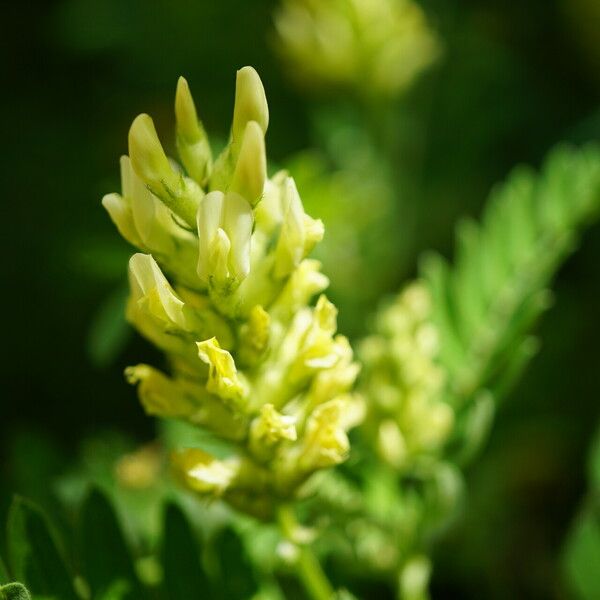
223	377
251	169
192	142
151	164
250	103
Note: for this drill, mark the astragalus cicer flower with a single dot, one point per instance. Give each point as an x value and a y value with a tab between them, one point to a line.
222	285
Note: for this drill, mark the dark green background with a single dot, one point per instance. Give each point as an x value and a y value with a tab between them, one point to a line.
515	78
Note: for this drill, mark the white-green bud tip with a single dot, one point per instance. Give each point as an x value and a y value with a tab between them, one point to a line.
148	158
250	102
251	168
185	113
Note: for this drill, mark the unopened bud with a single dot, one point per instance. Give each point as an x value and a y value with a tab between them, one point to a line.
250	103
192	143
151	164
251	169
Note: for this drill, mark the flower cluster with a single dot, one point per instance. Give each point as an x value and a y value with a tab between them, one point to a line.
407	416
223	287
375	46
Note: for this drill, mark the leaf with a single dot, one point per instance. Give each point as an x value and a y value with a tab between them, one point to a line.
237	579
34	553
105	558
486	304
14	591
184	576
582	557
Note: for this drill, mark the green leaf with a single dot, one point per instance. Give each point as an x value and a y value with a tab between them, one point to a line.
237	579
105	558
34	553
14	591
582	557
184	575
487	303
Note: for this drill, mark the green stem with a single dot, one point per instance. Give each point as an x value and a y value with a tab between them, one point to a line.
309	569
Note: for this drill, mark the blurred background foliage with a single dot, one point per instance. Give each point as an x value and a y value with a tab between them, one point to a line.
511	80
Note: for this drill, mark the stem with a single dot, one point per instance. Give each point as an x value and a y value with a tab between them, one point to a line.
309	569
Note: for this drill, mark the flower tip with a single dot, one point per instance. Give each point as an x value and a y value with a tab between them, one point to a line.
142	125
250	102
185	112
148	158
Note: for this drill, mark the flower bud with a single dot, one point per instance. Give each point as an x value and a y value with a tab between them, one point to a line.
203	473
318	349
325	441
151	164
223	378
121	215
224	230
330	383
159	394
269	428
306	281
250	103
192	143
251	169
254	336
151	288
291	243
